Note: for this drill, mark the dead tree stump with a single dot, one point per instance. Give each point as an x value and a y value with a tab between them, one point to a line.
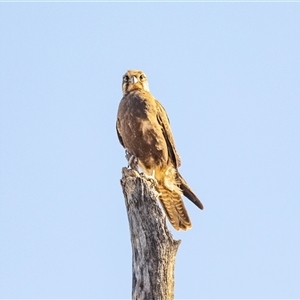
153	247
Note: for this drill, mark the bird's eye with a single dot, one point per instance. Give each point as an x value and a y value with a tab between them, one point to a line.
125	78
142	77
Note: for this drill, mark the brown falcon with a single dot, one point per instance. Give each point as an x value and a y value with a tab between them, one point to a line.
144	131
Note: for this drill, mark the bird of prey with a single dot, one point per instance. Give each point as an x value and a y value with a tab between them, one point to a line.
144	130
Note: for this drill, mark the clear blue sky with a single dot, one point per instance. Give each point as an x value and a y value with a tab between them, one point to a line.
228	75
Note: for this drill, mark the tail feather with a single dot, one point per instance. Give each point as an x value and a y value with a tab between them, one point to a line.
174	208
187	192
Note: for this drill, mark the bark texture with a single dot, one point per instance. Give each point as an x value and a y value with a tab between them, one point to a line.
153	247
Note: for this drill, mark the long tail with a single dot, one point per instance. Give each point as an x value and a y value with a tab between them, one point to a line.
187	192
174	208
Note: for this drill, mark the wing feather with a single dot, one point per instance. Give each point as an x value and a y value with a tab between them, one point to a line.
119	133
164	121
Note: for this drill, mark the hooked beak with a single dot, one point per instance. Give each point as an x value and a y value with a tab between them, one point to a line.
133	80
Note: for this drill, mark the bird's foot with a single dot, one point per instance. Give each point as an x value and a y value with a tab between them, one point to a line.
132	160
151	178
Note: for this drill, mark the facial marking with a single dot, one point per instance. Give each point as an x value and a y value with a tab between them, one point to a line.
134	80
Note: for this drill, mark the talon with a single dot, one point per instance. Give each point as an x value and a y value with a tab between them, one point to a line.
127	155
132	160
151	178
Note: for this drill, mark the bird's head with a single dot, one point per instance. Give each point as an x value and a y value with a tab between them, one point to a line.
134	80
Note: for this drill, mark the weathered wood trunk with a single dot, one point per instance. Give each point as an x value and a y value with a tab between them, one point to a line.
153	247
